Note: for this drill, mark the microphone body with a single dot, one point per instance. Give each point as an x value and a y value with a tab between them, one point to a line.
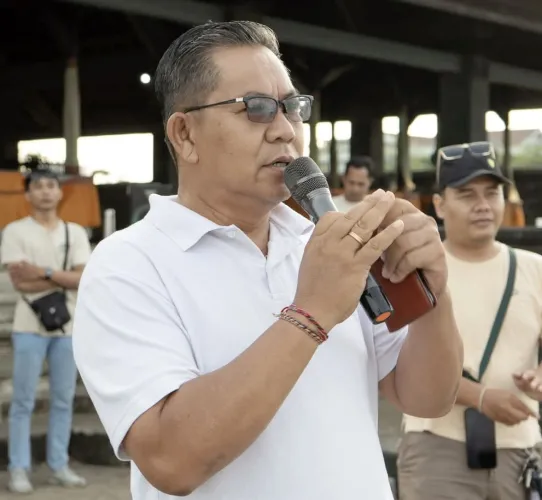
317	203
315	199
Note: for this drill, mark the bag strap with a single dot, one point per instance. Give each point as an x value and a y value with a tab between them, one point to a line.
499	318
65	265
67	247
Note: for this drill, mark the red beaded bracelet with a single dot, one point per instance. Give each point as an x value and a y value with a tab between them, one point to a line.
302	312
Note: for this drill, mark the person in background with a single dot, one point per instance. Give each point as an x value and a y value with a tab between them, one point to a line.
44	256
357	181
432	461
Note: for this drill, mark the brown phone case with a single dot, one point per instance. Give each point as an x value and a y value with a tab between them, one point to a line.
410	299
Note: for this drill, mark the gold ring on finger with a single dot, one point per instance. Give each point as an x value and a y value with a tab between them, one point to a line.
358	238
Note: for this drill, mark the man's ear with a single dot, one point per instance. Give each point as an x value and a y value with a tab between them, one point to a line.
181	133
438	203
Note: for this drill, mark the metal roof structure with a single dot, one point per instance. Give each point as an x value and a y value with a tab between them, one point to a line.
361	53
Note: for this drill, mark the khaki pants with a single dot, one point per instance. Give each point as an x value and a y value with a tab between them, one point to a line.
431	467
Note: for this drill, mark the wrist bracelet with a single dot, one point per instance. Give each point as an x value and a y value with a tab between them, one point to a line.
302	312
481	399
316	336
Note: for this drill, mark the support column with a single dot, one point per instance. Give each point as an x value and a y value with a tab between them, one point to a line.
72	116
511	192
507	160
464	101
335	180
404	175
367	140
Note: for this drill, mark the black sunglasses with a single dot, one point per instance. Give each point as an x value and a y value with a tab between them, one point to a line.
263	109
457	151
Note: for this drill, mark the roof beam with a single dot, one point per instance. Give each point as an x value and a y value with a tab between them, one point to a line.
478	13
515	77
47	75
292	32
182	11
325	39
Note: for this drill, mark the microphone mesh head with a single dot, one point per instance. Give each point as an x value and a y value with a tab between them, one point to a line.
303	176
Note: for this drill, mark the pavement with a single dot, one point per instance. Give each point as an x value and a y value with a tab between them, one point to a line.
104	483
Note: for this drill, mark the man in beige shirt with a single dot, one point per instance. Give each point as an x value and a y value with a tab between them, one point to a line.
432	460
357	181
43	255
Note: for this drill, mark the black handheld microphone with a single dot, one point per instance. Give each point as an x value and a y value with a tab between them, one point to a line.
309	188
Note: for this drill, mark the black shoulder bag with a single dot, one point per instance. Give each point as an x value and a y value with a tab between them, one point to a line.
479	429
52	309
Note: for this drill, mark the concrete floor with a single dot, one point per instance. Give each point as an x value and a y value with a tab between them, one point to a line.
104	483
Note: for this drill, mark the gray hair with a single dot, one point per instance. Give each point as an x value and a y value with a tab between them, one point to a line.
186	74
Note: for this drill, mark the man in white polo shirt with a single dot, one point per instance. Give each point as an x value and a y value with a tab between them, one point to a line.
195	378
45	257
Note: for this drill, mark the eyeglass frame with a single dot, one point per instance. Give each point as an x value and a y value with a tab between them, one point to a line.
279	102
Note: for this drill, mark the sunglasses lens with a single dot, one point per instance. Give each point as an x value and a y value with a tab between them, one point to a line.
298	108
261	109
453	152
481	148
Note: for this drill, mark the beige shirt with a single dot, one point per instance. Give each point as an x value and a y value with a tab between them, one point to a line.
27	240
342	204
476	290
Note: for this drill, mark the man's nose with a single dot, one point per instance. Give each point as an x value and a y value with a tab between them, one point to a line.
482	204
281	129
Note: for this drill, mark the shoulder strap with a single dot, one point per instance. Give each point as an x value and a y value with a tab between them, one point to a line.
499	318
65	265
67	247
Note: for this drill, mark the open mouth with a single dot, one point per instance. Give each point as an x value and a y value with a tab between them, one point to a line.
279	164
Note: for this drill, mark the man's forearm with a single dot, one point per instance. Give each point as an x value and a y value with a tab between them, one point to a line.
35	286
212	419
67	279
430	363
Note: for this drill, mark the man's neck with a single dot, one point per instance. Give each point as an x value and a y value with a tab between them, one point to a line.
48	218
474	252
253	222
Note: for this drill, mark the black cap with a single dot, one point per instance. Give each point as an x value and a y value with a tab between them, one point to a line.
456	170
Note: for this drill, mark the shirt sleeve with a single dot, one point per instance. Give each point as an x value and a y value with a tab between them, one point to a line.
387	348
81	246
130	345
12	248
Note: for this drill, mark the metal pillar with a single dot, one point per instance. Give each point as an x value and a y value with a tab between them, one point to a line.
464	101
367	139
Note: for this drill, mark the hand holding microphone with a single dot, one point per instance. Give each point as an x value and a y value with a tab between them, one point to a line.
419	248
401	293
335	266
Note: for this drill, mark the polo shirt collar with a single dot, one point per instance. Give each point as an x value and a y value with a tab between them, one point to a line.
187	227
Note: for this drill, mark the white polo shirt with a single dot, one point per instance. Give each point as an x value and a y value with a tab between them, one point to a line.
176	296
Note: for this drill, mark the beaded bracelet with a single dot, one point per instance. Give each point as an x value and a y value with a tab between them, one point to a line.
319	339
302	312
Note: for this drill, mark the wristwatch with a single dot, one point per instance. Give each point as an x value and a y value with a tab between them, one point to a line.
48	273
